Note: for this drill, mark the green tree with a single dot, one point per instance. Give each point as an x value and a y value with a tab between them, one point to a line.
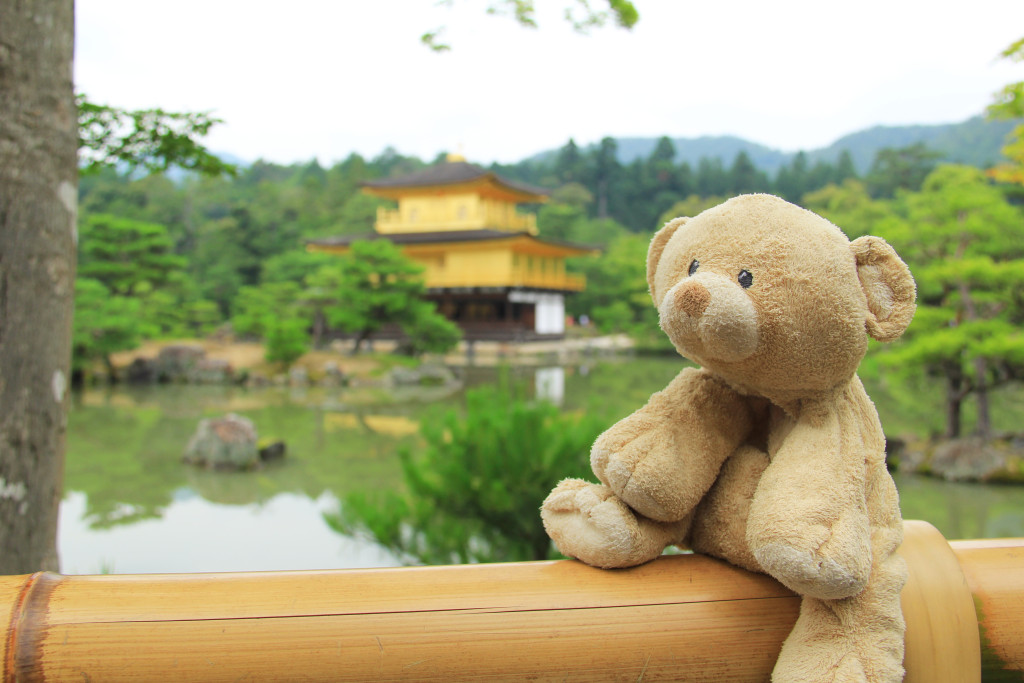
791	182
320	292
744	177
557	220
104	323
606	172
473	491
845	168
1009	104
690	207
127	256
903	168
378	286
569	163
964	243
617	297
427	331
711	178
851	207
258	307
286	340
294	265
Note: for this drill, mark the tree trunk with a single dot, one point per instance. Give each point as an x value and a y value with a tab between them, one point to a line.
954	401
38	206
319	326
984	426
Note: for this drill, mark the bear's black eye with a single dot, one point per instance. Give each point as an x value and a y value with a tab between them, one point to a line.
694	265
745	278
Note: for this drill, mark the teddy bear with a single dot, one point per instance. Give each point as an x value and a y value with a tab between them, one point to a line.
769	455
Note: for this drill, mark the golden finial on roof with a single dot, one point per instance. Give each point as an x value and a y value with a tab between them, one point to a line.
450	157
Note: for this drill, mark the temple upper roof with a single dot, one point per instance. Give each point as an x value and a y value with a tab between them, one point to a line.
454	173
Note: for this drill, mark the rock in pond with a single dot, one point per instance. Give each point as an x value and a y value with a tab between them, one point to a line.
424	375
175	362
996	460
227	442
271	449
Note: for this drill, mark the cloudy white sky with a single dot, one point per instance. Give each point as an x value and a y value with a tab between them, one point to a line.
324	78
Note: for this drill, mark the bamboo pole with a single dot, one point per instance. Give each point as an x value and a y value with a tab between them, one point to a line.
682	617
994	571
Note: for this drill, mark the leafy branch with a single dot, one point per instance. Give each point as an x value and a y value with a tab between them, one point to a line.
153	139
581	15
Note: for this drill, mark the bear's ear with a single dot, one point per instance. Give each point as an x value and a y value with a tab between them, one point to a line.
658	243
888	286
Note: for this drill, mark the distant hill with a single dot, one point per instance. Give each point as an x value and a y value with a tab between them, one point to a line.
976	141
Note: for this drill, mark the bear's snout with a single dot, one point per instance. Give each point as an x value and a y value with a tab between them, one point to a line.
693	299
709	317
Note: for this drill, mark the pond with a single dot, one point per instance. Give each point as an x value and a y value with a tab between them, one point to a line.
132	506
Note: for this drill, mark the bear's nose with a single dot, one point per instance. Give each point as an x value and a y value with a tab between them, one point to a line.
693	298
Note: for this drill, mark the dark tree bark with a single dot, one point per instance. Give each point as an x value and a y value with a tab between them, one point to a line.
38	205
956	390
984	426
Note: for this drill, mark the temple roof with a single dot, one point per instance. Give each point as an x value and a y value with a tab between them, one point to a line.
450	236
456	173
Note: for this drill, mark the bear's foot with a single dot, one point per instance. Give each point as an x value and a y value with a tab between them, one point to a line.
588	522
849	669
853	640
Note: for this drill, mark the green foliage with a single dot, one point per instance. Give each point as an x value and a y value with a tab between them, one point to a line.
474	490
851	208
1009	104
617	297
689	207
130	285
286	340
127	255
103	324
153	139
580	15
201	318
378	286
257	308
427	331
964	244
569	223
294	265
904	168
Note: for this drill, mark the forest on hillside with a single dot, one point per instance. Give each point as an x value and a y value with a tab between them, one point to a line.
172	258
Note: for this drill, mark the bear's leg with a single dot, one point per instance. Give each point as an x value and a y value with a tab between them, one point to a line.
720	521
852	639
588	522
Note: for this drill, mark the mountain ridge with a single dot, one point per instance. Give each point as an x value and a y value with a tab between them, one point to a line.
976	141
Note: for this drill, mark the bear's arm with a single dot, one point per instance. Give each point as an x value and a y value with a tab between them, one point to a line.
808	524
663	458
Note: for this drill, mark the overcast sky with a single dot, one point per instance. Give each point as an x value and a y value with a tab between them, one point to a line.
324	78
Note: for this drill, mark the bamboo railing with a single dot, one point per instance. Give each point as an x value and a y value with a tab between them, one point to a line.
682	617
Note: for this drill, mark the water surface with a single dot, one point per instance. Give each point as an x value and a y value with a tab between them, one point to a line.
132	506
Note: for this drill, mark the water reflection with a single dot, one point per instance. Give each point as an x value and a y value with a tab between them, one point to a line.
133	506
194	535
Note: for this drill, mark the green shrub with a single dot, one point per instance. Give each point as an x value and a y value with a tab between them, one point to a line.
474	491
287	339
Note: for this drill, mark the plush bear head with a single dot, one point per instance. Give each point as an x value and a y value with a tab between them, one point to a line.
774	298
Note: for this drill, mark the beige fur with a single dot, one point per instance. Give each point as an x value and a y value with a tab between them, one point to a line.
770	455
